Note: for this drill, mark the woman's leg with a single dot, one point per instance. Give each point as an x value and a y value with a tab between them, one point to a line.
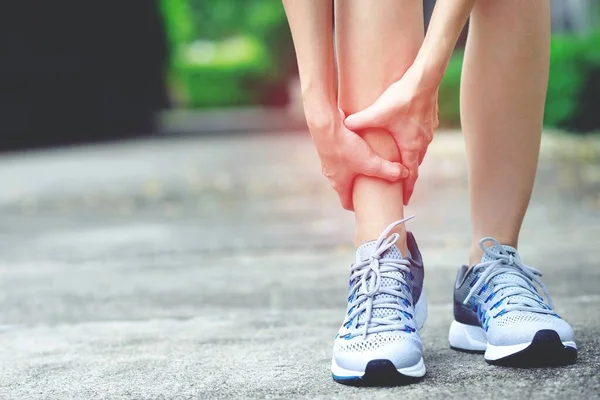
375	45
505	76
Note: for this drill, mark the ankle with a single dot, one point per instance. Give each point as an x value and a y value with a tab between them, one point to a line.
402	247
475	255
361	239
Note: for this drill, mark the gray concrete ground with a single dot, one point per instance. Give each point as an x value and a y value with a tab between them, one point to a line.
216	267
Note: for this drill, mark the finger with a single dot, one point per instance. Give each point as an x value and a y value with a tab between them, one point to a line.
344	192
346	201
410	159
365	161
379	167
373	116
406	193
422	155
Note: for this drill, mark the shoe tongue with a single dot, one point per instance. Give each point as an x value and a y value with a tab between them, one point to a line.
364	252
500	249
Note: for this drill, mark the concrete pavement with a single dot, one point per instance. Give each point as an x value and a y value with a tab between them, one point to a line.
216	267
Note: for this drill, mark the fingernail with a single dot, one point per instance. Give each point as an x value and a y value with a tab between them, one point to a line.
404	174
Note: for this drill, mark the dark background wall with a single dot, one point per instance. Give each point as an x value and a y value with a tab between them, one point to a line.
79	70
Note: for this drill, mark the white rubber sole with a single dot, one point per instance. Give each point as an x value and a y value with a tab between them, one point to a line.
416	371
473	339
467	337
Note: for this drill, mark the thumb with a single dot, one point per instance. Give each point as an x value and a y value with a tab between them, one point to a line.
378	167
373	116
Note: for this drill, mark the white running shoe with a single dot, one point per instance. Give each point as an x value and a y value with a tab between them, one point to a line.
379	343
498	311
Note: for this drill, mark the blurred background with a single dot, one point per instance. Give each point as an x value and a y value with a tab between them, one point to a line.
72	72
166	233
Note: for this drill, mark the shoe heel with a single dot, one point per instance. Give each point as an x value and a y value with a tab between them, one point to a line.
467	338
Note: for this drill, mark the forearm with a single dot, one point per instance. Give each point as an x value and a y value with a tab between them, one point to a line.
311	26
448	20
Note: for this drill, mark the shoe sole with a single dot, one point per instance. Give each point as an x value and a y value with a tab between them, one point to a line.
545	350
382	373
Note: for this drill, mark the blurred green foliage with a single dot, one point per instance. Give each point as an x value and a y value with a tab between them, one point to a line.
448	98
228	52
235	52
573	101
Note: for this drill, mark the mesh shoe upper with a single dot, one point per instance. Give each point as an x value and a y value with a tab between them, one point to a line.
499	294
380	321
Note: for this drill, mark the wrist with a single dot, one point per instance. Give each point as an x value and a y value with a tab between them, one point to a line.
321	115
318	95
323	126
429	68
424	81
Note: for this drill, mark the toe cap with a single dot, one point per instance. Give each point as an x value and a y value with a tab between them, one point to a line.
402	350
522	329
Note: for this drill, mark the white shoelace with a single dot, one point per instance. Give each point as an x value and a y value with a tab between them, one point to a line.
521	297
367	277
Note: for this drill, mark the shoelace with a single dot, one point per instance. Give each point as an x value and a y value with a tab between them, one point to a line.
505	263
367	276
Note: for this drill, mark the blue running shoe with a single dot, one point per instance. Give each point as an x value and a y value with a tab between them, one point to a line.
379	343
499	312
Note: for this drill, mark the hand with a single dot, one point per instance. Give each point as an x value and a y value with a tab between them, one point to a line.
344	155
408	110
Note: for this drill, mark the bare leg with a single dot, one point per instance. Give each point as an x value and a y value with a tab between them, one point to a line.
375	46
505	77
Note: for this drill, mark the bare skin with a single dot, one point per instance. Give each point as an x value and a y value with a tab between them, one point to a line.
408	107
502	133
502	99
343	153
375	46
